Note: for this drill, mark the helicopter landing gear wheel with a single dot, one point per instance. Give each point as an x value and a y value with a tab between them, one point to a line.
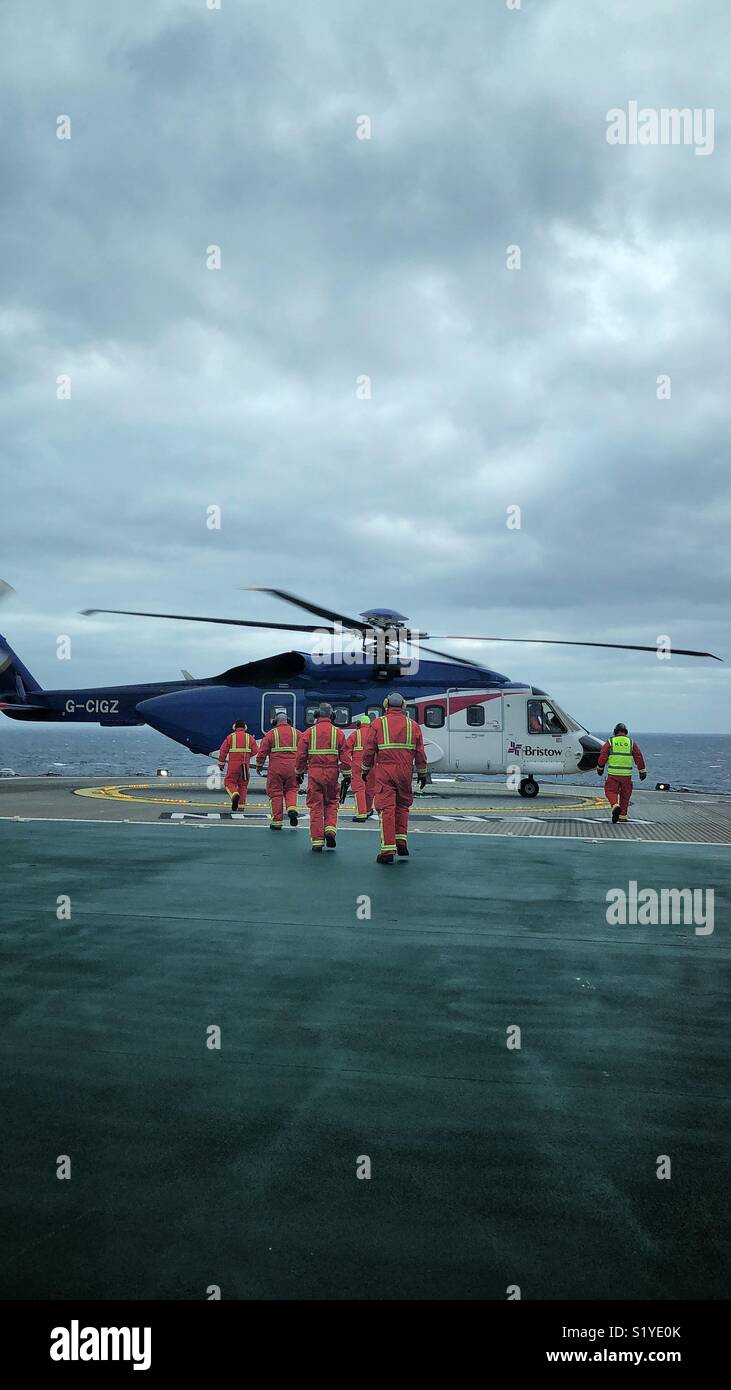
528	787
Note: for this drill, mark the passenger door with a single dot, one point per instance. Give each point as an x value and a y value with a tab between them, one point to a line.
475	731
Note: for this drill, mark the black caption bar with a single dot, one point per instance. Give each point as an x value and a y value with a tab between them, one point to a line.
146	1339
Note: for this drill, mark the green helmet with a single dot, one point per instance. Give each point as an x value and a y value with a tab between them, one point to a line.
362	719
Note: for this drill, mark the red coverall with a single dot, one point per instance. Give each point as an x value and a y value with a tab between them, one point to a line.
239	748
394	743
363	790
322	751
618	790
280	746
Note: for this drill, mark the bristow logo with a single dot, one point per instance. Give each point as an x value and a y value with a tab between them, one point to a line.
664	125
648	908
102	1344
532	750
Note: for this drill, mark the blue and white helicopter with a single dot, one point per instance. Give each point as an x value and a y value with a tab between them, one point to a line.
474	719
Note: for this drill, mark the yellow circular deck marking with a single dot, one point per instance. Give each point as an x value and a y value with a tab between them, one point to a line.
114	793
117	793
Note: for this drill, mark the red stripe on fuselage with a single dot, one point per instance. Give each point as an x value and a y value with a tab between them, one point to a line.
456	702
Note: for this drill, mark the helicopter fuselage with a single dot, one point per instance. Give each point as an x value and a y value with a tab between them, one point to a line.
474	720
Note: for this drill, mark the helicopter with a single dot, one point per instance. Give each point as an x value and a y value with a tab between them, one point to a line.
474	719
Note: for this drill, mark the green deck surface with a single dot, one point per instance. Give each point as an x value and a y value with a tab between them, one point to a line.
340	1038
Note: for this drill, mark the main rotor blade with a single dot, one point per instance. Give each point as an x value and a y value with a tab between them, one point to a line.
196	618
246	622
356	624
563	642
463	660
6	590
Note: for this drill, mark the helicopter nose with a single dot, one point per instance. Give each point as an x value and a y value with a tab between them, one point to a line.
590	755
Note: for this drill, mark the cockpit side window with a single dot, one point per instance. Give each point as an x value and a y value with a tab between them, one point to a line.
543	719
535	717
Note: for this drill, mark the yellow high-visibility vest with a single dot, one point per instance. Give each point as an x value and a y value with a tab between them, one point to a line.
620	761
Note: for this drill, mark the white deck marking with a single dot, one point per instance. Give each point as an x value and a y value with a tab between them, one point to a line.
358	830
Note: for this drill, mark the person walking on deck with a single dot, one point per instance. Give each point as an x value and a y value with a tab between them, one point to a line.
620	755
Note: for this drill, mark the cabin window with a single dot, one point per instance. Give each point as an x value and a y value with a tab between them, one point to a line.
434	716
374	711
543	719
341	714
475	715
412	712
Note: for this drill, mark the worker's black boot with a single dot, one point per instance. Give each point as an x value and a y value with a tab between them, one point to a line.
234	803
272	826
384	859
402	849
317	849
330	841
359	820
615	815
293	818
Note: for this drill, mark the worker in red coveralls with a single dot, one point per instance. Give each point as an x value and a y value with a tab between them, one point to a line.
394	745
620	754
322	751
363	790
279	745
239	748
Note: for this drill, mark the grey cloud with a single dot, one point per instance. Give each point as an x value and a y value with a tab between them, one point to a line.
386	257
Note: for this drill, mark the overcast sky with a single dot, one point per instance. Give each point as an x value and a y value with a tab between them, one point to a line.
384	257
